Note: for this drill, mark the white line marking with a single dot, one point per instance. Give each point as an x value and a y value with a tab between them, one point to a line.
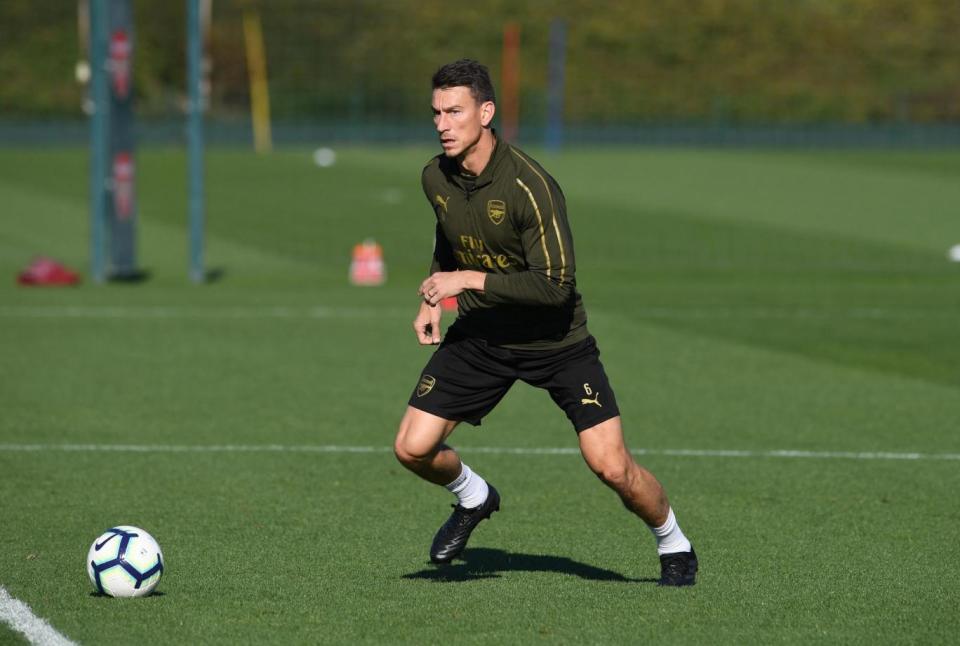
500	450
177	312
320	312
796	312
18	616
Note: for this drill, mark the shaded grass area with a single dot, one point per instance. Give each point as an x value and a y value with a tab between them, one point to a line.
841	299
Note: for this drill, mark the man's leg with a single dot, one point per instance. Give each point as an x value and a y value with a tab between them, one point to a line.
606	454
420	447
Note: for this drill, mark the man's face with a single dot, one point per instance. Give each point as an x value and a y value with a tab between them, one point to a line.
459	119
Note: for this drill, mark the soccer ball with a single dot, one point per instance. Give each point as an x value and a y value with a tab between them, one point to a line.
125	561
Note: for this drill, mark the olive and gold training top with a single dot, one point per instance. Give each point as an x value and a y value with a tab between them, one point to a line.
510	222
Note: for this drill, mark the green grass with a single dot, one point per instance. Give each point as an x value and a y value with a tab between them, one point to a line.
752	301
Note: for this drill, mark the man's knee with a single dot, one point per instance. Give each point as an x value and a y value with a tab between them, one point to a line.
419	437
408	452
615	471
403	455
409	456
605	453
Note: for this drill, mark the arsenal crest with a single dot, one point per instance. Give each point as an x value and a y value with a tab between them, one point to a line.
426	385
497	210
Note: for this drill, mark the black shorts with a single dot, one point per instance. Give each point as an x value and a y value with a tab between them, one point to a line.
465	378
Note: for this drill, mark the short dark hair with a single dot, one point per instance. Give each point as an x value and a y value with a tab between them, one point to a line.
467	73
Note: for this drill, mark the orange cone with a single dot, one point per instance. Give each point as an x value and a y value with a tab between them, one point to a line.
367	266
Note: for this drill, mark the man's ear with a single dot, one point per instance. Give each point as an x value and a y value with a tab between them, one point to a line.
487	110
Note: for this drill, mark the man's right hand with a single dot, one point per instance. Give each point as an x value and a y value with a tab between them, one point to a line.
427	324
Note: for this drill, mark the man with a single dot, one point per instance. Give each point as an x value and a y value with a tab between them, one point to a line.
503	248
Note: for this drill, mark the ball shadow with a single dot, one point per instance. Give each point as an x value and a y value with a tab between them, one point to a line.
107	596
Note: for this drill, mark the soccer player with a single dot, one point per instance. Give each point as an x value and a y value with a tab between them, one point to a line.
503	248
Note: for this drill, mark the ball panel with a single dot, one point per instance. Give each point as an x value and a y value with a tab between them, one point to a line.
142	552
117	582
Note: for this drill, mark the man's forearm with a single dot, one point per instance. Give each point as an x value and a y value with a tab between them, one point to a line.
527	288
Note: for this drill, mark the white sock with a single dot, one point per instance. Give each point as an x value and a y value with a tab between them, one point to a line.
670	539
470	488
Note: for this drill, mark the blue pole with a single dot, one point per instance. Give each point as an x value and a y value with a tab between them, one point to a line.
195	141
100	101
555	81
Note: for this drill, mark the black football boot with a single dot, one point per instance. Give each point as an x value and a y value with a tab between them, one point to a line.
678	569
452	537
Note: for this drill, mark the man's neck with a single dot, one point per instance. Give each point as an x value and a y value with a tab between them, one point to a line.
478	156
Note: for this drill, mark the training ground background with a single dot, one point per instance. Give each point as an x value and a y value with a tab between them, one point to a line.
782	330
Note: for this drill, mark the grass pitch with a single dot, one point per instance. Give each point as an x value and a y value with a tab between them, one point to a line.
746	303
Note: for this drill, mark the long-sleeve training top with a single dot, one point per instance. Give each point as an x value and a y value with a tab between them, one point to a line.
510	222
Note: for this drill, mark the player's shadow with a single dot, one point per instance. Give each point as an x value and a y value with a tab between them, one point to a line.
485	563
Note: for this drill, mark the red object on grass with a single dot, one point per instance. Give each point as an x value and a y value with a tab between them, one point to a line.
367	266
46	271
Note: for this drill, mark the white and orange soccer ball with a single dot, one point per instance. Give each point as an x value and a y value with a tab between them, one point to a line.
125	561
